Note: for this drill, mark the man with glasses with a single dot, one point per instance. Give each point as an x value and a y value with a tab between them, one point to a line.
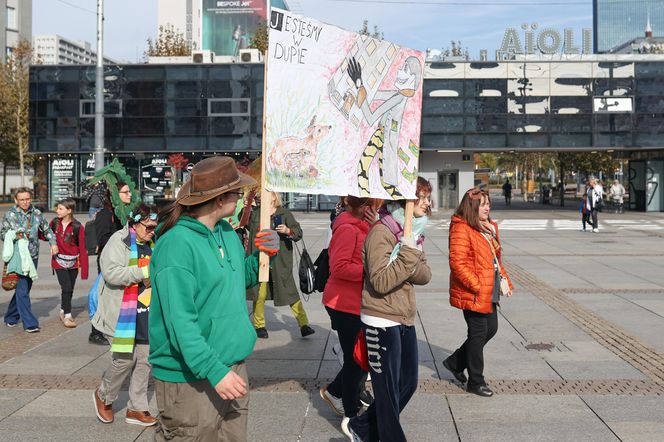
21	223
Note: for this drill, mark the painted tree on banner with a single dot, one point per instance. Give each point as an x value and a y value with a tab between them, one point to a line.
342	112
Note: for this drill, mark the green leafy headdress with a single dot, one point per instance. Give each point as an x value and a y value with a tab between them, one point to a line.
112	174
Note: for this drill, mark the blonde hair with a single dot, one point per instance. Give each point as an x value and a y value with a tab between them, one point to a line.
276	199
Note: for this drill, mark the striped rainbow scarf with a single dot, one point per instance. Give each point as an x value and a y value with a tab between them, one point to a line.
125	330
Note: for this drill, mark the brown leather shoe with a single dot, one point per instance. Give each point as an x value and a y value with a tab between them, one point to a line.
137	417
104	412
69	322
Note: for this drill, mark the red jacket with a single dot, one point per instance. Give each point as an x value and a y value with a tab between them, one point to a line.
67	245
471	267
343	291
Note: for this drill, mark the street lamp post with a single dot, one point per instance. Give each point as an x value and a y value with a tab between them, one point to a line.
99	89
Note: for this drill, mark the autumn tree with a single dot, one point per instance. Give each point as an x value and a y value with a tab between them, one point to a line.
14	84
260	39
169	43
375	34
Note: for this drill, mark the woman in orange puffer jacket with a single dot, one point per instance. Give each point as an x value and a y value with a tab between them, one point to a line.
476	271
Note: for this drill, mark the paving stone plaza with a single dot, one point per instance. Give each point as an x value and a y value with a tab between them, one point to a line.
579	353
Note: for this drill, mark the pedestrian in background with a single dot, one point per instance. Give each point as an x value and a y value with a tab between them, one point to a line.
507	192
106	223
594	202
22	226
124	307
342	298
72	255
585	213
617	194
393	265
476	272
200	331
281	288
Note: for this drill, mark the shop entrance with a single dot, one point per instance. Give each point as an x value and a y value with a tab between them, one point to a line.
448	193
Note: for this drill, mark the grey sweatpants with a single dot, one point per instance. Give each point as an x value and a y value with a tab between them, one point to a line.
122	364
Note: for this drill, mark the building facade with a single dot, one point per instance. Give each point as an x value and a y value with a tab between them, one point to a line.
16	24
55	49
184	16
618	21
610	103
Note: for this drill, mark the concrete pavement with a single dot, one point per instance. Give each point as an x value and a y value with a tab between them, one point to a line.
578	354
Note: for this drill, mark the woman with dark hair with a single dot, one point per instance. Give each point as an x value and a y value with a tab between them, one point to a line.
200	331
106	223
122	315
342	298
393	265
477	280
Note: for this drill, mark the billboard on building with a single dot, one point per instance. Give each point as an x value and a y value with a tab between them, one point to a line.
229	25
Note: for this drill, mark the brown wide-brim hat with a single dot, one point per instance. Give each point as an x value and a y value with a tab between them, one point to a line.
210	178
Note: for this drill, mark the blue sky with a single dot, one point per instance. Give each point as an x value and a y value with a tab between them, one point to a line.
479	24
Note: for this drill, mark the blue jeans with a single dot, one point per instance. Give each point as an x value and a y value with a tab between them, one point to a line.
19	307
394	363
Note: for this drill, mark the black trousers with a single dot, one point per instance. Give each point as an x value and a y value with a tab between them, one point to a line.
394	365
593	213
481	328
350	380
67	280
585	218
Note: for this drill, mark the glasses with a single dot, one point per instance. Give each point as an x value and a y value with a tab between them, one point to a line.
125	191
475	193
149	227
425	198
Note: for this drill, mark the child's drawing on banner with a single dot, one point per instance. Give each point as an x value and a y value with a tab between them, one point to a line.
342	113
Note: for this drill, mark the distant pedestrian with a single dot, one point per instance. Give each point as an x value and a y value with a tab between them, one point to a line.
124	307
594	202
476	284
507	192
72	255
342	298
95	198
22	226
585	213
393	265
200	331
617	195
281	288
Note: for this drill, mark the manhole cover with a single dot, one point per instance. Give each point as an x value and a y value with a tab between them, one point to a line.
541	346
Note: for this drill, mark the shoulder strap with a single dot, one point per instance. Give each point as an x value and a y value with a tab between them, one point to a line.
76	227
493	251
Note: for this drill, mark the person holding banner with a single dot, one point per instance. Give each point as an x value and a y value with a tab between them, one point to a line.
342	298
393	265
477	281
200	331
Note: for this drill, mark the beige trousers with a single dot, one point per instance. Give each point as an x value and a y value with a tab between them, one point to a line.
122	364
194	411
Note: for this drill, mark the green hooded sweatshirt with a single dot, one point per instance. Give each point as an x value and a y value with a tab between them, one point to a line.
199	323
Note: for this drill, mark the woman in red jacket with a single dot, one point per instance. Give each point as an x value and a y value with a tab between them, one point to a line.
71	256
343	295
477	280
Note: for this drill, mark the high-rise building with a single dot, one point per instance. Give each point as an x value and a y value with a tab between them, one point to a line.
16	25
54	49
618	21
184	16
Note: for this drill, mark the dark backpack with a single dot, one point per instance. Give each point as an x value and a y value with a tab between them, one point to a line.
305	270
76	226
90	238
322	271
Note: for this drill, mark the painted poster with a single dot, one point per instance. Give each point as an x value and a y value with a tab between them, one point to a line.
342	113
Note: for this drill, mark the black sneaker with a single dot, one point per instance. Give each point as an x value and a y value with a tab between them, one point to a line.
366	398
262	333
97	339
305	330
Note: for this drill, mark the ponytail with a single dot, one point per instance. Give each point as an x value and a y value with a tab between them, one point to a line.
169	216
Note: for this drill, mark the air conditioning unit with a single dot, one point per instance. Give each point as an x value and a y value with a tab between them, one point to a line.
202	57
250	56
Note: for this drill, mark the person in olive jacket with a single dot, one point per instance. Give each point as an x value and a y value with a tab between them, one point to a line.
281	288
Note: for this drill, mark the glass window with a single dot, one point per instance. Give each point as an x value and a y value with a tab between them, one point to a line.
186	108
143	108
487	123
613	86
144	89
112	127
229	125
55	109
112	108
653	104
223	107
437	106
489	105
652	69
442	124
486	88
571	123
229	89
443	88
186	72
571	105
650	123
528	123
142	73
571	140
12	23
57	91
615	139
528	140
143	126
186	126
236	142
180	144
186	89
619	122
485	141
650	86
648	140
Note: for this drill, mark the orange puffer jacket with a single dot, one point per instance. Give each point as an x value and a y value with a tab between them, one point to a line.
471	268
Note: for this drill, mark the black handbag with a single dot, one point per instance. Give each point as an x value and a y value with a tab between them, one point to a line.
322	272
305	270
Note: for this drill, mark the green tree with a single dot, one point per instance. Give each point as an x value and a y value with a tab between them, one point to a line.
14	84
169	43
260	39
375	34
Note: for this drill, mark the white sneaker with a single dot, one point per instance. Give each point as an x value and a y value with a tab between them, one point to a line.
595	230
335	402
348	431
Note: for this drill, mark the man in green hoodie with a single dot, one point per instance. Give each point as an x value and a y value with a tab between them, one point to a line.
200	332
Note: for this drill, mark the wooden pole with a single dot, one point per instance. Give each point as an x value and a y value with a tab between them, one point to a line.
408	219
266	198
